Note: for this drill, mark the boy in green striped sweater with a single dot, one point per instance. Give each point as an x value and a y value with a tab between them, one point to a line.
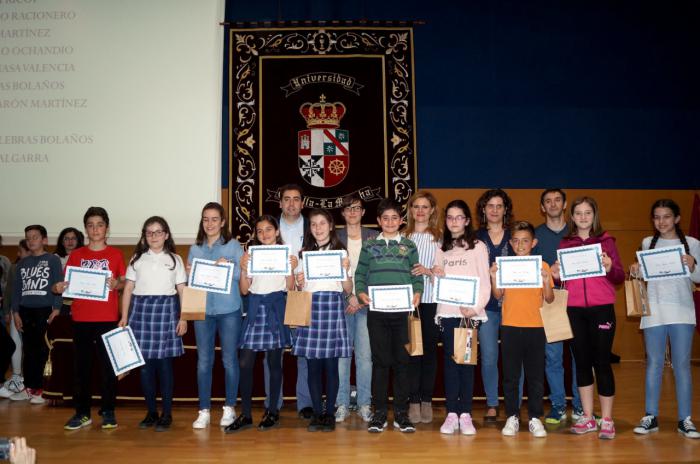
388	260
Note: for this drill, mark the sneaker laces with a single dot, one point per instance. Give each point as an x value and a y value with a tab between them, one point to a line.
688	424
646	421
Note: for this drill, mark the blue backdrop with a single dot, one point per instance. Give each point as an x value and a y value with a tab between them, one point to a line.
531	94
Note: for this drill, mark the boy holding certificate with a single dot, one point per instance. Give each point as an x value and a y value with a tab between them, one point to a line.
34	306
522	336
388	260
92	318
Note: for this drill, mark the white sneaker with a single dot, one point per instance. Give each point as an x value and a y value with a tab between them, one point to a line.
228	417
10	387
536	428
451	424
22	395
202	419
341	413
466	426
366	413
35	396
512	426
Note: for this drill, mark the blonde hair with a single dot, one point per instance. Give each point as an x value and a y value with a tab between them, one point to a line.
434	225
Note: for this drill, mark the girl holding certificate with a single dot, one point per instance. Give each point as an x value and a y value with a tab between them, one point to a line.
326	339
423	229
673	317
460	254
155	278
223	314
591	313
263	328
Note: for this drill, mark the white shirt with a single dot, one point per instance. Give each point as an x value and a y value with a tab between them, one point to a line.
292	234
153	274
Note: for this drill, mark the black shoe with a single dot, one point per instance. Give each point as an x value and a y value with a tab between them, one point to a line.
164	423
316	424
403	423
269	421
378	423
328	423
306	413
491	419
149	421
647	425
240	423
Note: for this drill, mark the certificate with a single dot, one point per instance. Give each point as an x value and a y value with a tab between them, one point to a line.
663	263
269	260
391	298
580	262
211	276
324	265
86	283
456	290
519	272
123	351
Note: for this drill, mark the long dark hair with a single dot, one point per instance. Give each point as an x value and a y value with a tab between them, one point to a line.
469	236
225	231
596	227
142	246
310	244
61	248
266	218
676	210
507	207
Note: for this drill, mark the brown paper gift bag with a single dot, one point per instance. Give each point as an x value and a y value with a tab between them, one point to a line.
297	313
194	304
465	344
415	336
636	297
555	319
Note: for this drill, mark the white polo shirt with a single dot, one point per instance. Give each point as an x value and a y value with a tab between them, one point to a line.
153	274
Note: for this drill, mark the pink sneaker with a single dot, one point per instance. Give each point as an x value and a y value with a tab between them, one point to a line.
451	424
584	425
465	424
607	429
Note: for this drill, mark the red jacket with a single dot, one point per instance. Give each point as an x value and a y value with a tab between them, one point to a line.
595	291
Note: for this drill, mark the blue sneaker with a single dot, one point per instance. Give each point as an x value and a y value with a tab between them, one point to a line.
556	415
109	420
78	421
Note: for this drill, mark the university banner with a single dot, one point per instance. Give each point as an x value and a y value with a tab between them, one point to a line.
329	108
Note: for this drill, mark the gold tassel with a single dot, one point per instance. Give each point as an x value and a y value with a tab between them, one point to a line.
48	368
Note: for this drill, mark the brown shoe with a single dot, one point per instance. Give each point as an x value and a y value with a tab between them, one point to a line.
414	413
426	412
491	414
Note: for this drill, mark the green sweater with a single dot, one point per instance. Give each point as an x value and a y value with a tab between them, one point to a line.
387	264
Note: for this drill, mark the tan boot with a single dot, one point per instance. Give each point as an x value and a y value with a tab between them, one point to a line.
426	412
414	413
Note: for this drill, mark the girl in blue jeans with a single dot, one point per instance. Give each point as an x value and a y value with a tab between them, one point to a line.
223	314
673	317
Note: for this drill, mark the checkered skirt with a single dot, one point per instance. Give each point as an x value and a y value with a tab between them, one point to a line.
327	336
153	319
259	335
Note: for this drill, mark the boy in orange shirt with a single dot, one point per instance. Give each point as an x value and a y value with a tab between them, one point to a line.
522	337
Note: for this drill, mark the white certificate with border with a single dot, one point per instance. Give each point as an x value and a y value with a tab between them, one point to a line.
519	272
211	276
123	350
663	263
391	298
580	262
87	284
324	265
269	260
456	290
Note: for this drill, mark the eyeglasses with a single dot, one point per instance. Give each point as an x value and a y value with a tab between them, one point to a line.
155	233
455	218
352	209
70	239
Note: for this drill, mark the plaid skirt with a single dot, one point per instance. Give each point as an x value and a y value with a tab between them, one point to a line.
259	336
327	336
153	319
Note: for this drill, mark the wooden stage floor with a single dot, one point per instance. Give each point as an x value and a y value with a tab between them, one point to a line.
42	425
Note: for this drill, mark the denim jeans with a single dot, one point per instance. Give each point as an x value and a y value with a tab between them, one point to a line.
488	345
359	337
228	327
681	338
554	370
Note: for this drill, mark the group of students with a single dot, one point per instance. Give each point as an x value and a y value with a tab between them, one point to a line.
341	324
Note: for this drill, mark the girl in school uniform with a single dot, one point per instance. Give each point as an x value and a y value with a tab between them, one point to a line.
672	317
591	310
326	339
263	328
461	253
155	278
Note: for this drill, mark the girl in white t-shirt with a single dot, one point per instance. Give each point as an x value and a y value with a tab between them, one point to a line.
151	300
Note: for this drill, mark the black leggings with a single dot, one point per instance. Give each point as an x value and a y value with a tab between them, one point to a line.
246	362
422	369
594	330
315	378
